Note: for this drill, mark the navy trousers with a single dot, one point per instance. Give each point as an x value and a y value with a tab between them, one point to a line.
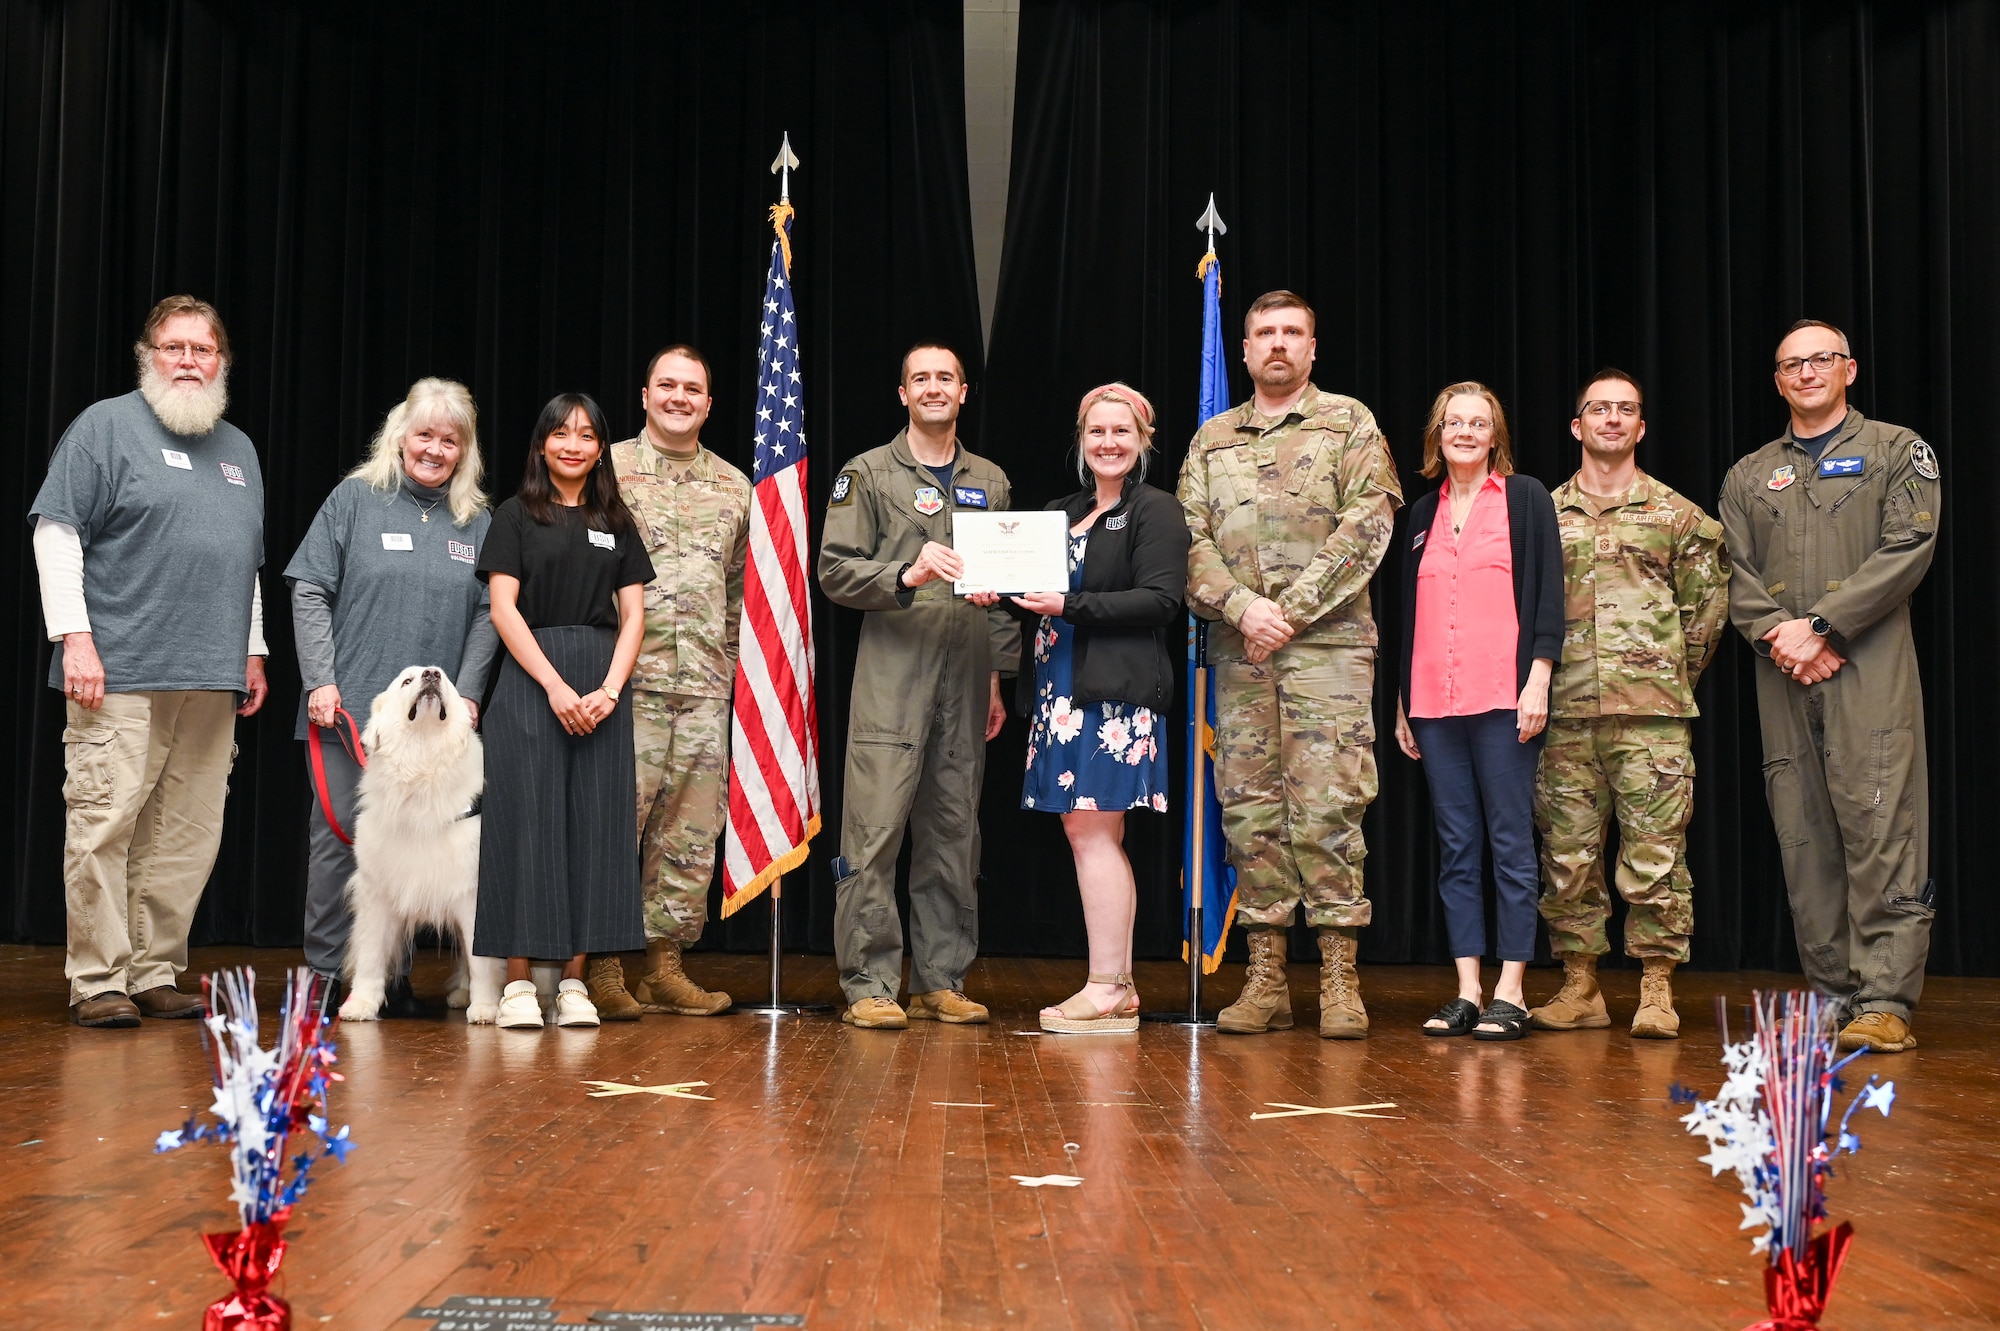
1482	780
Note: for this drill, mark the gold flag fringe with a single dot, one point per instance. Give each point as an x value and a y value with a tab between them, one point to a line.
781	213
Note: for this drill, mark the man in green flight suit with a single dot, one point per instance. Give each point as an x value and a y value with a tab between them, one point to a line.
1646	595
1831	527
1291	499
926	700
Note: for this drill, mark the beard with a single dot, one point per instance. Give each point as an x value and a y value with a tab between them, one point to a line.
184	410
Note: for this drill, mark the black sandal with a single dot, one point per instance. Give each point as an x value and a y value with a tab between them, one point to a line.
1459	1017
1512	1021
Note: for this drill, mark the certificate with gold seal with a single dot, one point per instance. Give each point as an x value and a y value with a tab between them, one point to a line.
1012	553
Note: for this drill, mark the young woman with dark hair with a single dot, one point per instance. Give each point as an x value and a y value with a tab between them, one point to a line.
558	856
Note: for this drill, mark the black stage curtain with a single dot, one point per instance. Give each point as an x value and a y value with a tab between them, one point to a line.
529	199
1521	194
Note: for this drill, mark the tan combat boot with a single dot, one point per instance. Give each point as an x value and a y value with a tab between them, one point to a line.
604	982
1579	1004
667	988
1656	1018
1265	1002
1879	1032
1341	1016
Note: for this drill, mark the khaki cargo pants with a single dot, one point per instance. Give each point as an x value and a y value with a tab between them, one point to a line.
148	773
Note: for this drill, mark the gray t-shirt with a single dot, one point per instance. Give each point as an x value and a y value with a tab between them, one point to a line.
172	528
403	592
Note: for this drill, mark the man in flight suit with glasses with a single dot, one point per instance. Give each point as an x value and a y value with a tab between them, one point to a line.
1830	527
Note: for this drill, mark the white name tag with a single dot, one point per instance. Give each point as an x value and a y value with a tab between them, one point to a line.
177	459
396	540
603	540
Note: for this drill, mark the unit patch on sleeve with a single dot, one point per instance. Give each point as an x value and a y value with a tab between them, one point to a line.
1924	459
843	488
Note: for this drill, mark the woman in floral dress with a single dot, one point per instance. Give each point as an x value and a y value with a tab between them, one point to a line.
1102	681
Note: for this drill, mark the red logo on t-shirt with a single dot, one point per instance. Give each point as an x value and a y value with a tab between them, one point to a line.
233	474
460	550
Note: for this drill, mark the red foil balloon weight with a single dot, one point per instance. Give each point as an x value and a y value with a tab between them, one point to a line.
250	1258
1795	1292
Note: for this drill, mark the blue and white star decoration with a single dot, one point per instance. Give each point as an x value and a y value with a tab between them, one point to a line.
780	429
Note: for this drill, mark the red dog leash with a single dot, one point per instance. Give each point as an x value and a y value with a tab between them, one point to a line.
350	739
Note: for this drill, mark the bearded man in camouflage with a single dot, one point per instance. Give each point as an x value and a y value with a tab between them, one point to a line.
693	511
1291	499
1647	594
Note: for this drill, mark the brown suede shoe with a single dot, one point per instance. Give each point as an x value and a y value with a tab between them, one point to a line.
1879	1032
947	1005
168	1002
104	1010
876	1014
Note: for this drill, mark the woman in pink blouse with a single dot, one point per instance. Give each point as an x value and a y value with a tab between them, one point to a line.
1482	591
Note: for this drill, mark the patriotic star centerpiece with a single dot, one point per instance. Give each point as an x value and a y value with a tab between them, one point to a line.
262	1098
1772	1124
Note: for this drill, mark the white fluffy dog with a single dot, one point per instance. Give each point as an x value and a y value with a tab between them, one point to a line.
416	841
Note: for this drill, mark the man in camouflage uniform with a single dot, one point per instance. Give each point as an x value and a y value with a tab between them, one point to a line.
1291	500
693	511
1647	592
1831	528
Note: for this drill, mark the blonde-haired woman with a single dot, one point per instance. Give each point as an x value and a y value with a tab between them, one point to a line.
1483	607
384	579
1103	676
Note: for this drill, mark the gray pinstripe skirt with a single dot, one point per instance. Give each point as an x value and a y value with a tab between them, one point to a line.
558	841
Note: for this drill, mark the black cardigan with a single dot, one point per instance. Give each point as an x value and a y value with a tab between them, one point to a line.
1538	574
1134	575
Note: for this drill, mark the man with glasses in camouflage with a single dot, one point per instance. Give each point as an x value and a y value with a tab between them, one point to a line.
1646	583
1831	527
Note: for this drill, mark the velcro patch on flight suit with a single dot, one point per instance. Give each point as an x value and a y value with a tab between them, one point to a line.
843	489
1782	477
1841	466
928	500
966	496
1924	458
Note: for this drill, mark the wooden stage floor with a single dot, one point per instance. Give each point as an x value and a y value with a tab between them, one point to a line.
864	1179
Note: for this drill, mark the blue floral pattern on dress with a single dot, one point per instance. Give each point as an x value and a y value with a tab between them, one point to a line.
1104	756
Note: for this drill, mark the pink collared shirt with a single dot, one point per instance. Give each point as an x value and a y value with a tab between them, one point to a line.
1462	658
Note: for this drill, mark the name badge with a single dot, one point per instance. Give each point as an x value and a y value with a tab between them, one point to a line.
175	458
1841	466
603	540
396	540
966	497
233	474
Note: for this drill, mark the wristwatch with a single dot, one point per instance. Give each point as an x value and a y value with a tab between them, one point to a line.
1818	625
608	692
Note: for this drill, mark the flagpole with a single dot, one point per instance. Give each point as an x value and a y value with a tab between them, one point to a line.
782	167
1195	872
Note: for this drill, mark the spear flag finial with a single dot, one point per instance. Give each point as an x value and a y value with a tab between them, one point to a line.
787	162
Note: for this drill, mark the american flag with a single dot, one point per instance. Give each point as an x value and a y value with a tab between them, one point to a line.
773	749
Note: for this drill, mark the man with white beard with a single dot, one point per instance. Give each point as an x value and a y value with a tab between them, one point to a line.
149	532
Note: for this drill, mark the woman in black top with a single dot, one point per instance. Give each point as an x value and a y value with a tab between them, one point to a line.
558	859
1103	676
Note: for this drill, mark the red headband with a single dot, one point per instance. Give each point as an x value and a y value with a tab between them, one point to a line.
1124	392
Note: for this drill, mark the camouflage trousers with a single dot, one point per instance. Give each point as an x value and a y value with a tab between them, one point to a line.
1640	769
1295	770
681	747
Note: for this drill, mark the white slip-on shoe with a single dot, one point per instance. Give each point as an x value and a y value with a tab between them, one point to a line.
573	1005
520	1009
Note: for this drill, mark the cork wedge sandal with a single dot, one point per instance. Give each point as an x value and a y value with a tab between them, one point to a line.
1077	1015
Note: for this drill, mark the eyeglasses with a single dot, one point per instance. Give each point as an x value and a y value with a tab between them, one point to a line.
1598	411
175	350
1454	424
1821	361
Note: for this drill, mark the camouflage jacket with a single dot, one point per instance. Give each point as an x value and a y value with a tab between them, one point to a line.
1299	509
695	519
1646	593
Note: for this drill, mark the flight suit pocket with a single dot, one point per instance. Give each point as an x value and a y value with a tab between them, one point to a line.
1891	751
1787	800
91	771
